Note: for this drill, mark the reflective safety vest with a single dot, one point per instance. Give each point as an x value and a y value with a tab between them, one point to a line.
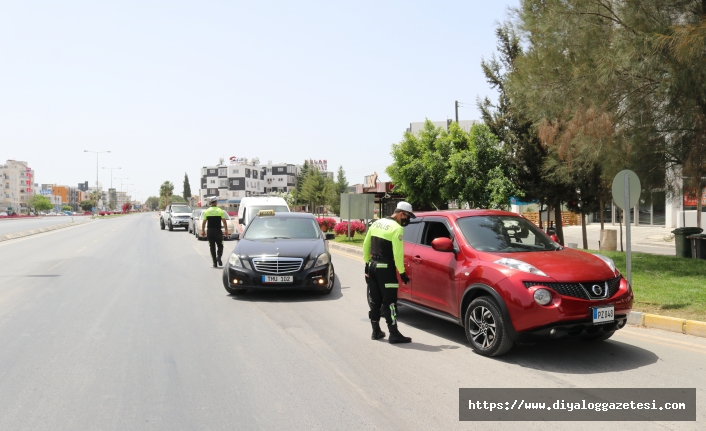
385	238
213	216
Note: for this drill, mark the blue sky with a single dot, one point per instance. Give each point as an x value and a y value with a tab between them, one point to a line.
171	86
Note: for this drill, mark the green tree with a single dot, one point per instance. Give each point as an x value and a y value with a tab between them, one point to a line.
187	187
340	186
301	177
86	205
95	196
315	189
66	208
40	203
174	199
166	190
420	163
152	202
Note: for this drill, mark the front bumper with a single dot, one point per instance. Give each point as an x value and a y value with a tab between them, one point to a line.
180	222
565	314
308	279
571	329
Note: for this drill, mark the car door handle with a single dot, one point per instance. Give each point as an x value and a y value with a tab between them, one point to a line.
417	259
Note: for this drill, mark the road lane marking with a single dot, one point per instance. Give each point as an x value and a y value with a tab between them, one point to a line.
80	249
664	341
58	264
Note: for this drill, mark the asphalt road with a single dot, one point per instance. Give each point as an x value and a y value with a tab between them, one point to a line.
117	325
24	224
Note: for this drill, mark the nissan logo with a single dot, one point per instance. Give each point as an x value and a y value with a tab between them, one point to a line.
597	290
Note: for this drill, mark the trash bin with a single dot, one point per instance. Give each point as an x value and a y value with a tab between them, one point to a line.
683	246
698	246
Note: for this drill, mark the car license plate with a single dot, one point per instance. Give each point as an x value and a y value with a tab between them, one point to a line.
277	279
603	314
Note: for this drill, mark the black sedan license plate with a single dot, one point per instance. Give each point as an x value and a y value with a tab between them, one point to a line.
277	279
603	314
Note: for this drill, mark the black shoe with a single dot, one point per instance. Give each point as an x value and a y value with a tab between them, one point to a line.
396	337
215	265
218	259
377	332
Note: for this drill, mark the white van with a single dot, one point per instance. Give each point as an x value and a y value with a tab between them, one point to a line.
250	206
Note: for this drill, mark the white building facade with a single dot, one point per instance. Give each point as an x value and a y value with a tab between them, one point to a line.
16	180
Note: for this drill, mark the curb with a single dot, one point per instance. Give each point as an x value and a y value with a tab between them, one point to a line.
351	249
665	323
17	235
673	324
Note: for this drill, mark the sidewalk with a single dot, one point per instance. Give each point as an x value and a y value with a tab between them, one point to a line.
645	239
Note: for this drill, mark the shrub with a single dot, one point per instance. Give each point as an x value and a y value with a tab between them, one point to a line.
326	223
356	227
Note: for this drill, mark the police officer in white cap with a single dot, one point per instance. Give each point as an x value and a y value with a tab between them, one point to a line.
383	252
215	217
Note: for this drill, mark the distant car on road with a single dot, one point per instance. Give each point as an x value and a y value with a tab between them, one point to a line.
197	227
192	219
282	251
505	281
175	215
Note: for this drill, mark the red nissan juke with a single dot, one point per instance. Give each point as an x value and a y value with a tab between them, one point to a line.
505	281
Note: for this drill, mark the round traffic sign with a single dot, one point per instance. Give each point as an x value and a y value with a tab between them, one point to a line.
619	189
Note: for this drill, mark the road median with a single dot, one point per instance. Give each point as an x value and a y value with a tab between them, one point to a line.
17	235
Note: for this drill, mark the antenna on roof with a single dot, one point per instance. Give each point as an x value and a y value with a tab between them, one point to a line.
435	206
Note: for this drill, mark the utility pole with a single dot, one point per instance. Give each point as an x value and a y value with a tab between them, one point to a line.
97	152
456	105
111	175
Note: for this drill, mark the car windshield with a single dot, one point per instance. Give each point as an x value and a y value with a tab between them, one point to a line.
282	228
181	209
505	234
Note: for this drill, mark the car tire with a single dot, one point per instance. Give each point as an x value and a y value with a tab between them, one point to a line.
232	291
331	282
161	224
171	228
601	336
486	330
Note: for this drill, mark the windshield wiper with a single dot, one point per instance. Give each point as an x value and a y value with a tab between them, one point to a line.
281	237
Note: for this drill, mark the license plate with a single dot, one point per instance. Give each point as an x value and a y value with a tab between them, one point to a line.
277	279
603	314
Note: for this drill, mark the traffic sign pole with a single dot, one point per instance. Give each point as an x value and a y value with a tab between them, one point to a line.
626	216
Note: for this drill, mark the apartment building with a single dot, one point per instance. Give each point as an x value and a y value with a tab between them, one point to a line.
240	179
16	180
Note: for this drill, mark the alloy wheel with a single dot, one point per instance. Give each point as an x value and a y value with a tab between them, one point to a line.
482	327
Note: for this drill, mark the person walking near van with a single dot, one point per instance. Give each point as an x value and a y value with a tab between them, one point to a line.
215	217
383	253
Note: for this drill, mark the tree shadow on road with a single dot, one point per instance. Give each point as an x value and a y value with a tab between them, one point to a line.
569	356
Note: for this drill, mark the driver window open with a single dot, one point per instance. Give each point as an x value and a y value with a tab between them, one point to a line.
434	230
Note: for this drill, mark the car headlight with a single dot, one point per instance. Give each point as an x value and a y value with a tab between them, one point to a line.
234	260
608	261
520	266
321	260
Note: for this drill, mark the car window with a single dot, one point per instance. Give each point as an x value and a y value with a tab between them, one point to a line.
282	228
434	230
505	234
411	232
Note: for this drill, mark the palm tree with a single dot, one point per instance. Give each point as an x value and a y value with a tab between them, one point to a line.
95	196
166	190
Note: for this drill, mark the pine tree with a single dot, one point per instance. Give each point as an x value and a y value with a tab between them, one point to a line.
187	187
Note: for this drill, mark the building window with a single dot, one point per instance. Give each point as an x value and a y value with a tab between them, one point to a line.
236	182
236	171
222	172
212	172
279	179
223	183
212	181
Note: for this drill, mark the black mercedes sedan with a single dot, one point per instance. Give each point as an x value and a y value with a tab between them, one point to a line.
280	251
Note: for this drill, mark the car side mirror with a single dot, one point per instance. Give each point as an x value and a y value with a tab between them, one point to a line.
330	236
442	244
235	236
241	220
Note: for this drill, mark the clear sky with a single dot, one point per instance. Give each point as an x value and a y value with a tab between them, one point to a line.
171	86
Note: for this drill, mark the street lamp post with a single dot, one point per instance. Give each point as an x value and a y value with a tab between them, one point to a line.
97	152
111	175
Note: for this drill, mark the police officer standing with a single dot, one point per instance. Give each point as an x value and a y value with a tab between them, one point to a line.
383	252
214	216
